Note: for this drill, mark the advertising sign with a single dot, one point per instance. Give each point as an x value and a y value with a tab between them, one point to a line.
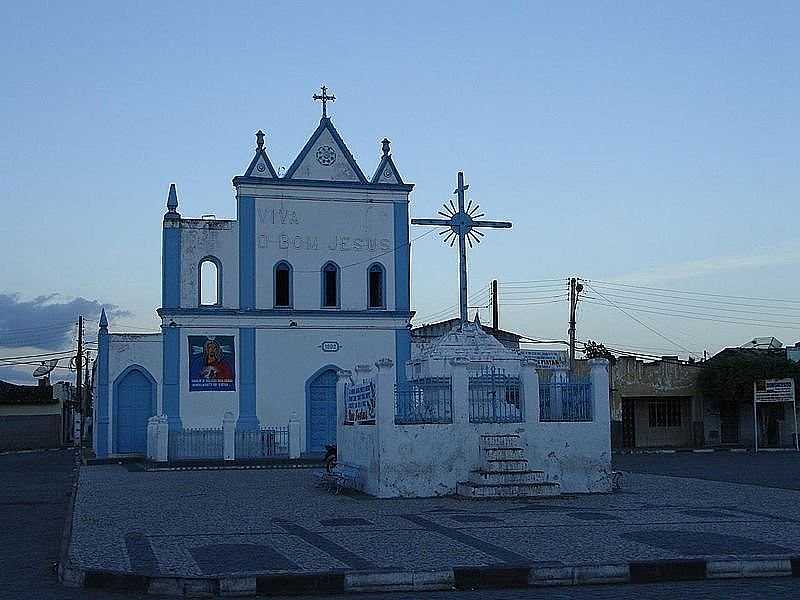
360	404
774	390
547	359
212	363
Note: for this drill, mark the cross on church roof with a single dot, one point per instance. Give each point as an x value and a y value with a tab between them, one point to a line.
324	97
462	225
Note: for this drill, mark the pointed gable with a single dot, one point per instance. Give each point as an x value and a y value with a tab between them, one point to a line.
261	166
386	171
325	157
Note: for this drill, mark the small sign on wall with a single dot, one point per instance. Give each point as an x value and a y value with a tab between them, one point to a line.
329	346
212	363
360	404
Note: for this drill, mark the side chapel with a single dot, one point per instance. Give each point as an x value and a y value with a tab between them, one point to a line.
259	313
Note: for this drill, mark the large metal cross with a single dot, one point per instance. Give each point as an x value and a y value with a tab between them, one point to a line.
324	97
462	225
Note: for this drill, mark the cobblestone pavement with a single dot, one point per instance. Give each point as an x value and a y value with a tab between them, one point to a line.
34	491
195	523
769	469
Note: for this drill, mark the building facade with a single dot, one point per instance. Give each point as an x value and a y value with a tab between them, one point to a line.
259	312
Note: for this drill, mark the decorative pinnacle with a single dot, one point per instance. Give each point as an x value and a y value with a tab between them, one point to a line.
385	145
103	319
172	199
324	97
260	139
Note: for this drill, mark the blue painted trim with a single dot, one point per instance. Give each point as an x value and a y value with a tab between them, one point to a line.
279	264
325	124
402	353
248	419
387	160
278	312
254	162
171	264
153	398
383	287
402	258
247	252
171	365
316	374
102	403
353	185
218	263
330	263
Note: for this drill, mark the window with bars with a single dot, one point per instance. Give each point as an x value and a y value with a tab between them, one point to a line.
665	412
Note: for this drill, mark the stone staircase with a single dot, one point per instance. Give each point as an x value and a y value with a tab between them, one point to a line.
504	472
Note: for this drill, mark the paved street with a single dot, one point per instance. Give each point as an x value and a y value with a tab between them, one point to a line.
207	523
34	490
767	469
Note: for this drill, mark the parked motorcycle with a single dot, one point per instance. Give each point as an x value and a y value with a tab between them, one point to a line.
330	457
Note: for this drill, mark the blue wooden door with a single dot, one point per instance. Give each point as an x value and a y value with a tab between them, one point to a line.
134	406
322	411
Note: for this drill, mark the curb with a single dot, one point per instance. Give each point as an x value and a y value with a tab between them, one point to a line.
459	578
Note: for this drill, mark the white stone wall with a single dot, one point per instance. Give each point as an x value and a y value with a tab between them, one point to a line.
206	408
430	459
307	229
124	350
217	238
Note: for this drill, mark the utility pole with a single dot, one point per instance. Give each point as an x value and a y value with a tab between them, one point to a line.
495	309
79	374
575	288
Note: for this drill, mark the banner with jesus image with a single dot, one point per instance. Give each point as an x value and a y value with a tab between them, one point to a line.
212	363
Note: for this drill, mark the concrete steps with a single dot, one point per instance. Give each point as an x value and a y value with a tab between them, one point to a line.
504	472
509	490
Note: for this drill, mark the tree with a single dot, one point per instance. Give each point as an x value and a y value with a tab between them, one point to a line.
594	350
730	374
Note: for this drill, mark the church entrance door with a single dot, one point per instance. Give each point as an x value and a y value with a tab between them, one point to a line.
134	405
321	410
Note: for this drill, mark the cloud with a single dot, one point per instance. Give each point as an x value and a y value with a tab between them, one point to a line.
46	322
706	266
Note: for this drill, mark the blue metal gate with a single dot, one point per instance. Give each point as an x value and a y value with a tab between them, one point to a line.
322	410
133	407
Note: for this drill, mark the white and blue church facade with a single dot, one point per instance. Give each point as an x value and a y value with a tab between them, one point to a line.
259	313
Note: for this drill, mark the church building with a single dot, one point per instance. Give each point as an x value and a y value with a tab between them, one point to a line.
260	312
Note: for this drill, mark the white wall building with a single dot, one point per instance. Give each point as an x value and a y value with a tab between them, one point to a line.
259	313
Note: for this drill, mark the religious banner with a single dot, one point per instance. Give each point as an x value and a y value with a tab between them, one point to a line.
360	404
212	363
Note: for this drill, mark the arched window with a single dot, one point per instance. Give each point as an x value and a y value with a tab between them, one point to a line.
210	282
375	286
283	285
330	285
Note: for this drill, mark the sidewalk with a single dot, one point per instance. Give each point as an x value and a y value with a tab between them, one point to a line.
175	527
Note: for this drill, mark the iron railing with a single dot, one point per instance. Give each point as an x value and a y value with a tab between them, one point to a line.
494	397
265	442
426	400
562	401
190	444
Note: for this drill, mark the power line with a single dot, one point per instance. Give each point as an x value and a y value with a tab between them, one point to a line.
642	323
643	287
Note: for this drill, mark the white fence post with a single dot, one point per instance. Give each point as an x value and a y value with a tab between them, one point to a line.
229	436
162	435
294	436
599	379
460	390
530	391
152	437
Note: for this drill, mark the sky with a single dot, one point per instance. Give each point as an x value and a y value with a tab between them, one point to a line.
631	144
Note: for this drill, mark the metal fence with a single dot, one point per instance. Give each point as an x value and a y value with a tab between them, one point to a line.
426	400
494	397
561	401
188	444
262	443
